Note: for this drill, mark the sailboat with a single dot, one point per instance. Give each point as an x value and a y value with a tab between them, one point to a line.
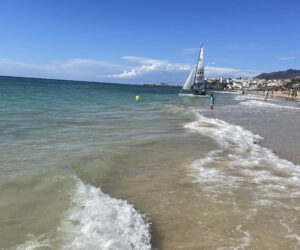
196	87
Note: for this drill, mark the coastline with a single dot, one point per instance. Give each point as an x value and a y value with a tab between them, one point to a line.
282	130
279	94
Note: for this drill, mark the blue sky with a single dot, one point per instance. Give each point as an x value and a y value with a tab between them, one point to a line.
147	41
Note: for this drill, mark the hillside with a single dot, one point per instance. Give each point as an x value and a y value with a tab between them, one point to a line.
287	74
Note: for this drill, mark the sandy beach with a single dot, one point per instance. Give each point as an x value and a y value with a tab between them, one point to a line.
280	94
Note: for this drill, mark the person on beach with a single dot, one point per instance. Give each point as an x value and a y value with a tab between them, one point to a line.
292	95
266	95
212	101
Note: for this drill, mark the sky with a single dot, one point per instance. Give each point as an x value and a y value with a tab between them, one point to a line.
147	41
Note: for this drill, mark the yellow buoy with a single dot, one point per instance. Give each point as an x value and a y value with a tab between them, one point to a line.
137	98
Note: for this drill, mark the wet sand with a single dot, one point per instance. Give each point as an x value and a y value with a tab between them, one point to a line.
279	94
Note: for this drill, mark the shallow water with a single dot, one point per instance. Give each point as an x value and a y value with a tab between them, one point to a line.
85	166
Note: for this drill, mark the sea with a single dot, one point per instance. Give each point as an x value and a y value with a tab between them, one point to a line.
85	166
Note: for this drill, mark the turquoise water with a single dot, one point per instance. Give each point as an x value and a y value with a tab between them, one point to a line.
86	166
62	116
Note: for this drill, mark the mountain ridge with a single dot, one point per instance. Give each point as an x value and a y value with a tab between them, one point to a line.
285	74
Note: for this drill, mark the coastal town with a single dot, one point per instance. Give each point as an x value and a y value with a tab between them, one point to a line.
274	81
252	84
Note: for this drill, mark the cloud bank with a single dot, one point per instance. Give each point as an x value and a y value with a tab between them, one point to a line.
75	69
147	65
135	69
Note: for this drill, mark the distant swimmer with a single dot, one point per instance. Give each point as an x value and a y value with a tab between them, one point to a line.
266	95
212	101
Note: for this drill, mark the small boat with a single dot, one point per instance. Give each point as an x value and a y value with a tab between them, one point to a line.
196	87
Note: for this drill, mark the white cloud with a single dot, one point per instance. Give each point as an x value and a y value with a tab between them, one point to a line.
76	69
140	60
285	58
150	65
134	70
228	72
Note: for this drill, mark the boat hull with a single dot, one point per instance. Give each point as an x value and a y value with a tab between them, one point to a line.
192	95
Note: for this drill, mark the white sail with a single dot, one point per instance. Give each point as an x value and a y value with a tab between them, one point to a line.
199	78
188	83
197	86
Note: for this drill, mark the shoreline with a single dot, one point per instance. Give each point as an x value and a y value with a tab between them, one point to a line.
292	154
279	94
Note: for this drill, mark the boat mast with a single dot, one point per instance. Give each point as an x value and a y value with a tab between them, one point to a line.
199	78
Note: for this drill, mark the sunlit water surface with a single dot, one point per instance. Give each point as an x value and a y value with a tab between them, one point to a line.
85	166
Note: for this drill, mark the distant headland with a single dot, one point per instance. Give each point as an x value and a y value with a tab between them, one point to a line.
161	84
285	74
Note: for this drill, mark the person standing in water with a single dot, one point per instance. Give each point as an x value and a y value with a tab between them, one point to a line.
266	95
212	101
292	95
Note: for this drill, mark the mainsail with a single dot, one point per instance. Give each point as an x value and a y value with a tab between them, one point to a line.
199	78
197	86
188	83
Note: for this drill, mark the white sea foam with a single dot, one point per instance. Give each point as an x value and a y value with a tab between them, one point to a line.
206	174
242	159
290	231
241	165
97	221
263	104
228	92
246	239
248	97
41	242
242	243
223	132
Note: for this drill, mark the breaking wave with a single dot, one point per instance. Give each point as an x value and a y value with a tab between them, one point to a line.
262	104
239	151
239	165
248	97
97	221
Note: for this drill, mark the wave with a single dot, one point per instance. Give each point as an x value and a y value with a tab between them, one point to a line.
173	109
262	104
97	221
227	92
243	160
241	166
248	97
100	222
